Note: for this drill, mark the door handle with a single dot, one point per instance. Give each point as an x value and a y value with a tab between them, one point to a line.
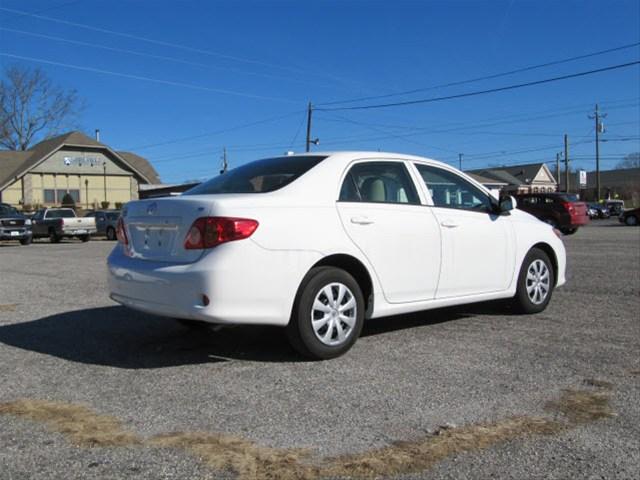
449	224
362	220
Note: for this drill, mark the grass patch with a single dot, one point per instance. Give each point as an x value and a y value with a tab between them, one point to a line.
419	455
80	424
248	460
581	406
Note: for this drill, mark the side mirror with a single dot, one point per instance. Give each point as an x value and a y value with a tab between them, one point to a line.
507	203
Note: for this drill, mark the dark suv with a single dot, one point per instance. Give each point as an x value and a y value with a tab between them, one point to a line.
14	225
561	210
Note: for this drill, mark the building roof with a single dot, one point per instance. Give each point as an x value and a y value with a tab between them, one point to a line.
485	180
516	174
14	164
498	175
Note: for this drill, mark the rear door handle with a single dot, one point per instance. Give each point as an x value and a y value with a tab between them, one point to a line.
361	220
449	224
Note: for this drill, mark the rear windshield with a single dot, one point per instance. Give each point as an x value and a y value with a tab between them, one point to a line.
568	197
60	214
260	176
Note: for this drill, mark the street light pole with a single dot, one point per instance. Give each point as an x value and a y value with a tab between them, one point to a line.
104	176
309	110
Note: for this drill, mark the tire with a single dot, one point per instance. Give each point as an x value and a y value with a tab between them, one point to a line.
334	299
631	220
26	241
53	237
111	233
84	238
568	231
535	268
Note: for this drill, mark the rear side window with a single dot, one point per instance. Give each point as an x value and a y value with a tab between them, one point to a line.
260	176
379	182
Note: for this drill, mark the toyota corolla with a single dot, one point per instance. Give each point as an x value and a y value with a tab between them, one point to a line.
319	243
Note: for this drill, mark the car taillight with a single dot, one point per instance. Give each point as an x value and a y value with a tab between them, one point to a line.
569	206
207	232
121	233
60	222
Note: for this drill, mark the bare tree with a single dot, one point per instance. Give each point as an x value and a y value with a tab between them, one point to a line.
32	107
630	161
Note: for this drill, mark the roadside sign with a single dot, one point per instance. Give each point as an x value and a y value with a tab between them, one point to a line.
582	178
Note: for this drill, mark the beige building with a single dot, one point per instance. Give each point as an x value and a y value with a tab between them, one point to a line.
529	178
72	163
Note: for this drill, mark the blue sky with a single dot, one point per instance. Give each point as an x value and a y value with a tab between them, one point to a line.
180	76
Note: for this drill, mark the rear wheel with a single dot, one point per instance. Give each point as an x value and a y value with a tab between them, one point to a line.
53	236
111	233
631	220
568	231
328	314
535	283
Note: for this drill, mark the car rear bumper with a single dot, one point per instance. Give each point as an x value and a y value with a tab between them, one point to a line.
245	284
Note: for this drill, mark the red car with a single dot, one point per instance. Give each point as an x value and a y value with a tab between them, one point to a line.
561	210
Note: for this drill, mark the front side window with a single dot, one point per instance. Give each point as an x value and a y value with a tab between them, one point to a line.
448	190
379	182
260	176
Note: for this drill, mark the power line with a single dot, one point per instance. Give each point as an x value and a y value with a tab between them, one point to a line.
482	92
215	132
147	79
487	77
158	42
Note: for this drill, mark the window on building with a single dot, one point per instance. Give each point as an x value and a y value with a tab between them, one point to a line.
55	196
49	196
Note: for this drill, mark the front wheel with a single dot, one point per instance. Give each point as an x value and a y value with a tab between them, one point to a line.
84	238
631	220
535	283
25	241
111	233
328	314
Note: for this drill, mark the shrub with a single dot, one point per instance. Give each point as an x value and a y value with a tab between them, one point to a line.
68	201
119	205
105	205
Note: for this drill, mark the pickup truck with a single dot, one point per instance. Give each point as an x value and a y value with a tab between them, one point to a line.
58	223
14	225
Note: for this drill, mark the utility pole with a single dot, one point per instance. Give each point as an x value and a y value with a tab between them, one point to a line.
225	165
566	163
599	129
309	110
558	171
460	155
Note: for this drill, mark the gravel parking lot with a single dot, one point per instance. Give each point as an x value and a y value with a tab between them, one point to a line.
92	390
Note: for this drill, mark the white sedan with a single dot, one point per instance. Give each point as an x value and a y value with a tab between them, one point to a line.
317	243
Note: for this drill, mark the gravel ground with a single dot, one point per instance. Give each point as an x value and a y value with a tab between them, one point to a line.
62	340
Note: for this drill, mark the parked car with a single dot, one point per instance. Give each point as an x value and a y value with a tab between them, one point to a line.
106	221
561	210
58	223
317	243
615	206
596	210
630	217
14	225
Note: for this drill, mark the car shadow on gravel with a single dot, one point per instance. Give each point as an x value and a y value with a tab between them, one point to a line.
122	338
119	337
